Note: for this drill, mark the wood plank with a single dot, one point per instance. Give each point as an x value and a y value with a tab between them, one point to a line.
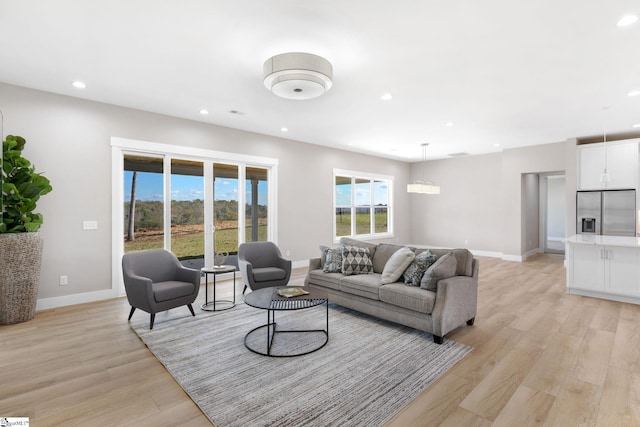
550	370
527	407
576	405
532	344
620	403
498	386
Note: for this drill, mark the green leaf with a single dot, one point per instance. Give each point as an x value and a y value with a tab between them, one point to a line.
21	187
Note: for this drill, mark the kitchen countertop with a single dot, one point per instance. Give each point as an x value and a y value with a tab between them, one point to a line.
591	239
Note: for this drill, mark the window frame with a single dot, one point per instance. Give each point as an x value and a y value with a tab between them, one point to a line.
123	146
372	178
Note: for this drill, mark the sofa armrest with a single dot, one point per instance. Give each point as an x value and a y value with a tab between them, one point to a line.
456	301
314	264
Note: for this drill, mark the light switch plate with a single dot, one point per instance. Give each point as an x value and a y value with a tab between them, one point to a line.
90	225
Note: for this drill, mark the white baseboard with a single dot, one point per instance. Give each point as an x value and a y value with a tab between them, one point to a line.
300	264
55	302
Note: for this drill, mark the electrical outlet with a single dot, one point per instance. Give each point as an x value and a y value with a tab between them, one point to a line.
288	252
466	242
64	280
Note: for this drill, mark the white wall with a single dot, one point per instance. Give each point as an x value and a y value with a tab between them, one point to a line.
69	140
482	199
556	206
469	207
530	213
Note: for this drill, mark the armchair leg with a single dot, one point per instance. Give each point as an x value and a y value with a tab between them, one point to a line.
153	318
470	321
131	312
437	339
244	290
191	309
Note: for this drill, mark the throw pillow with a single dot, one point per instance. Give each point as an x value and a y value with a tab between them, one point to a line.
333	260
356	260
396	265
413	274
444	267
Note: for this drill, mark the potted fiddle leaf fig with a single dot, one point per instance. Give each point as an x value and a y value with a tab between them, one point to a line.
20	242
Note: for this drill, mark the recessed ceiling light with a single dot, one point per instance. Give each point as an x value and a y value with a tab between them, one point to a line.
497	145
204	112
449	124
79	84
637	125
627	20
284	129
386	97
634	93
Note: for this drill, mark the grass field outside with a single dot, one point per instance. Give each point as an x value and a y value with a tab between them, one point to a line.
188	241
363	224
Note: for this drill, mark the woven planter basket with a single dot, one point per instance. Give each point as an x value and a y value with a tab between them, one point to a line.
20	261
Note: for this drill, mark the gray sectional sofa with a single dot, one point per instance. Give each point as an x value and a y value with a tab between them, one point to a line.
452	302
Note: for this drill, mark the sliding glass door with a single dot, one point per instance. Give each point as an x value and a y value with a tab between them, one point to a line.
187	210
143	202
226	209
195	208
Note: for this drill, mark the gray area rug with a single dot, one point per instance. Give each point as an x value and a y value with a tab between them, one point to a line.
364	375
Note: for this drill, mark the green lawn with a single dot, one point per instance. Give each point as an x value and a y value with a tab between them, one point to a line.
343	224
192	245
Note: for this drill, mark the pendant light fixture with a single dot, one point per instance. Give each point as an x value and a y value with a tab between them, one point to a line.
424	186
604	177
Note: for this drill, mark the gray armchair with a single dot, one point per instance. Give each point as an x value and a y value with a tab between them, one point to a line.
156	281
262	266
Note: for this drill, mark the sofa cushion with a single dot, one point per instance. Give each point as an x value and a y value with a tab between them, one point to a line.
412	276
396	265
464	260
360	244
268	274
329	280
382	255
413	298
165	291
355	260
444	267
365	285
333	260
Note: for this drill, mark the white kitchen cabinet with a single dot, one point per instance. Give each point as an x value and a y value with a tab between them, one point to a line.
597	269
587	266
621	162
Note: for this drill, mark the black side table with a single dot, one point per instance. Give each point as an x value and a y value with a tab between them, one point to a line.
219	269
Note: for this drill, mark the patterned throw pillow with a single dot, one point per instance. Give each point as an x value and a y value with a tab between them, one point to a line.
413	274
333	259
356	261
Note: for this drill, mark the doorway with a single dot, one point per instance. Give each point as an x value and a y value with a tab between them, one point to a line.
552	212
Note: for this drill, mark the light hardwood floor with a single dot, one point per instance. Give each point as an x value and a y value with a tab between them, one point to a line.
540	357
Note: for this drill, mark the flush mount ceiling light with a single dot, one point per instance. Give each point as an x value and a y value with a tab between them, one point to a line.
424	186
627	20
297	75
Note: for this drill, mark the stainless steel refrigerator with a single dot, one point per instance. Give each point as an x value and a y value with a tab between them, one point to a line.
610	212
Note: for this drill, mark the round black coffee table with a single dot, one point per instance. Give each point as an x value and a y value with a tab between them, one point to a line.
268	299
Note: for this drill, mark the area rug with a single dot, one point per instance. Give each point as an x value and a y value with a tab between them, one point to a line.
366	373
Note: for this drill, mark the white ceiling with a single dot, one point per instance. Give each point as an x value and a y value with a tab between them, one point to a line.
506	72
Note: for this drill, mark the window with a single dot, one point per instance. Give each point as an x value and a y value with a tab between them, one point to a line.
362	204
193	202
